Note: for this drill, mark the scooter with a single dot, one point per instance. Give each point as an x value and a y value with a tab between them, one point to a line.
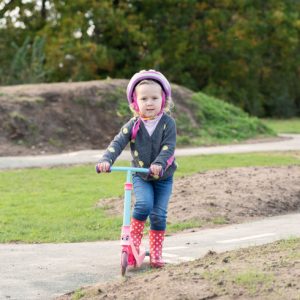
126	241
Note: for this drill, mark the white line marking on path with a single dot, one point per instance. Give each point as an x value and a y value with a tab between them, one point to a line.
175	248
169	255
186	258
176	258
252	237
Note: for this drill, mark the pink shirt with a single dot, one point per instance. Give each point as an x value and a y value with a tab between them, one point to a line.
150	125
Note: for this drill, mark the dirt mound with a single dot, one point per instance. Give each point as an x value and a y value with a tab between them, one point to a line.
265	272
230	196
61	117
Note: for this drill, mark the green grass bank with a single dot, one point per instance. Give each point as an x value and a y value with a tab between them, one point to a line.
283	125
217	122
59	204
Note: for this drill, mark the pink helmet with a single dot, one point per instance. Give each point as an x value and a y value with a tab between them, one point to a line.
151	75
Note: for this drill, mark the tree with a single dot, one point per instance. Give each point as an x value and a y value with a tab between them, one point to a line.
245	52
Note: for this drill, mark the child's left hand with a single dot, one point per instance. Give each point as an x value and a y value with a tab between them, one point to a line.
155	170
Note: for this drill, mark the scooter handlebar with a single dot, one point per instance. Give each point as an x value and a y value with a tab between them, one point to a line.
125	169
132	169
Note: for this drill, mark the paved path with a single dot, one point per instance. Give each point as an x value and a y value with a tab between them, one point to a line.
44	271
288	143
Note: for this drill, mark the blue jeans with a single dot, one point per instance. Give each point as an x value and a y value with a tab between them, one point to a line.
152	198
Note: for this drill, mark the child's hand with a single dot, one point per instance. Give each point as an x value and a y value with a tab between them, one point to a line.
103	167
155	170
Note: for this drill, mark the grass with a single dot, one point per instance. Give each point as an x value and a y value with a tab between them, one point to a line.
194	164
218	122
257	271
184	225
253	279
59	204
78	294
283	125
290	244
172	228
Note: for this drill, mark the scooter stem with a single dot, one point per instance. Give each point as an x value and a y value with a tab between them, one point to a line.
127	200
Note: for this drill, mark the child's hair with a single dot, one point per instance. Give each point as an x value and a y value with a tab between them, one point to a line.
169	102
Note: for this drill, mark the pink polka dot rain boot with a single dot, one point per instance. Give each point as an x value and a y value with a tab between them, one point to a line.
136	234
156	238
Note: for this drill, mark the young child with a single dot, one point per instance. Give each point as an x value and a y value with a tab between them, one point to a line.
152	137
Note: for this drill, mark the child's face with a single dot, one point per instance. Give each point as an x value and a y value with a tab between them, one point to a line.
149	99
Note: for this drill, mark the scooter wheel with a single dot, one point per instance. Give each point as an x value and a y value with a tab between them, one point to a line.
124	262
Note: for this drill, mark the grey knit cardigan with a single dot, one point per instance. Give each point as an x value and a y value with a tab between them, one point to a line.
158	148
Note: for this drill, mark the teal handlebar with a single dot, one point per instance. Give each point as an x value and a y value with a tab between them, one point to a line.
132	169
126	169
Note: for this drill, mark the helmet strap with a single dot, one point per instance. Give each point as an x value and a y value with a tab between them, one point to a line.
163	102
135	103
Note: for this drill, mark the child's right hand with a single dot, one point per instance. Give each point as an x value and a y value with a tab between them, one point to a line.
103	167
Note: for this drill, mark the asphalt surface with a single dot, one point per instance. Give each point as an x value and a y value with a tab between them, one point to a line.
288	143
45	271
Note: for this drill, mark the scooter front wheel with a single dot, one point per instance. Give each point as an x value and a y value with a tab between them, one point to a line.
124	262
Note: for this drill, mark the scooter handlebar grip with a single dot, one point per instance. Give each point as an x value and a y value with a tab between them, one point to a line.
98	170
161	173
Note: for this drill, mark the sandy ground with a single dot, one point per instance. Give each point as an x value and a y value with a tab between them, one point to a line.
214	198
263	272
229	196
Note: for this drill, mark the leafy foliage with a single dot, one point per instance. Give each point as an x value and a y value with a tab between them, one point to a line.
246	52
28	62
